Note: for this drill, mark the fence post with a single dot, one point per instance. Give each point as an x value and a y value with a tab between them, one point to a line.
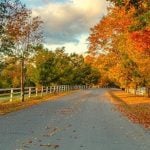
46	90
36	89
54	89
50	89
11	94
60	90
29	92
42	91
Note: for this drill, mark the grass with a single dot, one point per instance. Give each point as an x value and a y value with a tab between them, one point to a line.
136	108
7	107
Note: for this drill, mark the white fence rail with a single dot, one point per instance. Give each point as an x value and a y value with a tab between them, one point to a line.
10	94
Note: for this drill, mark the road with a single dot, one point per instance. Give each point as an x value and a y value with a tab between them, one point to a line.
84	120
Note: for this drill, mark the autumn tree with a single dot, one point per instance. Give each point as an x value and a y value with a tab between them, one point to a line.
119	43
23	31
10	73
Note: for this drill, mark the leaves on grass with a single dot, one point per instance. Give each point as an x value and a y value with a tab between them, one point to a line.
136	112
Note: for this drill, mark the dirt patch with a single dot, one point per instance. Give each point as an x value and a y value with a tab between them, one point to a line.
136	108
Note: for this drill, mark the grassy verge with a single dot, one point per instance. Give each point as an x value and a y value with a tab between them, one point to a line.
7	107
136	108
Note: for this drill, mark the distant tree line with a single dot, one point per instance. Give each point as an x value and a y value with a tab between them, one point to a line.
47	68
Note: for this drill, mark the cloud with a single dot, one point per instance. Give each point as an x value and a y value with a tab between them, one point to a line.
71	47
66	22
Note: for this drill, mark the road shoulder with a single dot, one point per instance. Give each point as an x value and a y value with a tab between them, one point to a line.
9	107
136	108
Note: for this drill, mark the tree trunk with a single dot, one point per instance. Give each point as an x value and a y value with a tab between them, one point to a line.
22	79
135	89
148	91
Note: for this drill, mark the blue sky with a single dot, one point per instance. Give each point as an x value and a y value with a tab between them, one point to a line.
67	22
39	3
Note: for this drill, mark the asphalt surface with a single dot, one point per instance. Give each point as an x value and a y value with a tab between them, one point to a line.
84	120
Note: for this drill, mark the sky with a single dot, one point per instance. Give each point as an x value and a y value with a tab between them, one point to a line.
67	22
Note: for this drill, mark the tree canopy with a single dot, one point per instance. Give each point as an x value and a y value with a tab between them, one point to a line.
49	68
119	45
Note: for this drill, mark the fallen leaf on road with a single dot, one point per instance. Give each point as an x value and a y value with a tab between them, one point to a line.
52	132
50	145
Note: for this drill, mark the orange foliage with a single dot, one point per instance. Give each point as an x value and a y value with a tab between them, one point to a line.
141	40
120	54
115	23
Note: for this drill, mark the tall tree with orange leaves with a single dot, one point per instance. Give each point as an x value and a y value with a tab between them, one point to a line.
121	40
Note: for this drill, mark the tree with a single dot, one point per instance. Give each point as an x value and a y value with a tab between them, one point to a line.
137	4
23	32
119	44
11	72
57	67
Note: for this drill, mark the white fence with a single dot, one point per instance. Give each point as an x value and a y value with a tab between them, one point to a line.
11	94
139	91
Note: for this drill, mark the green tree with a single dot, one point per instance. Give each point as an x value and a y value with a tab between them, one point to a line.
57	67
22	31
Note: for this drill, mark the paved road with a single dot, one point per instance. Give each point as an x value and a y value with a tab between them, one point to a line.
84	120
